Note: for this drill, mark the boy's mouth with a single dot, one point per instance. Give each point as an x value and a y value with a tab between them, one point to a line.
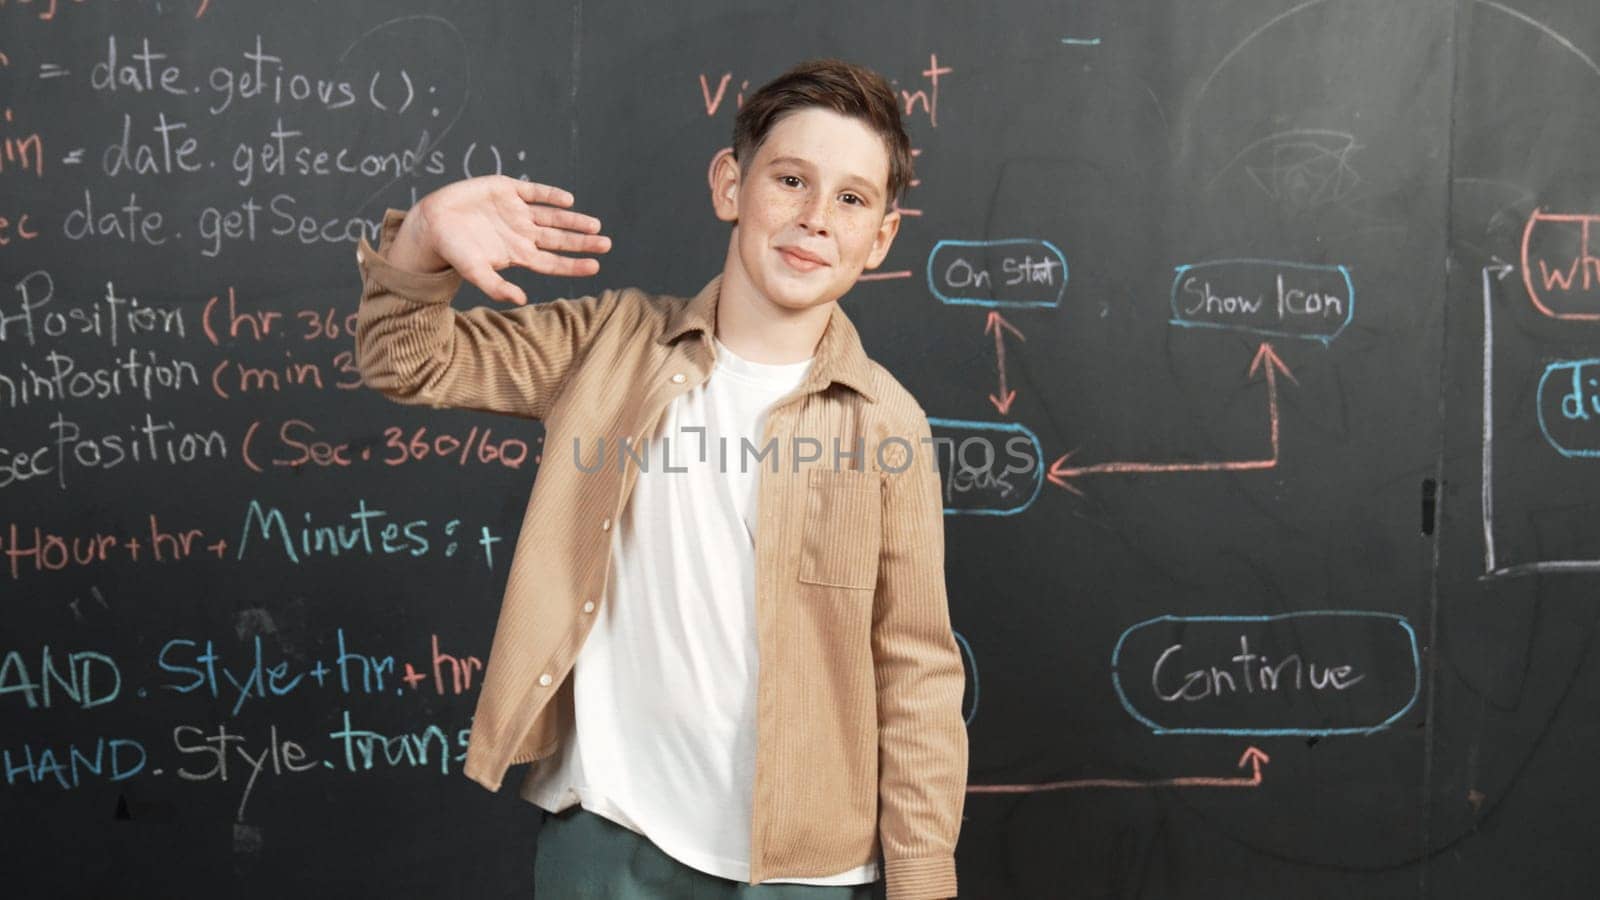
799	259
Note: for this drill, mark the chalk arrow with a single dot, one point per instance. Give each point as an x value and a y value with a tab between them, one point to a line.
995	322
1253	757
1268	362
1265	354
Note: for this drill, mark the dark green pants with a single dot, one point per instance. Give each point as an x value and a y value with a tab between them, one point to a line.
581	855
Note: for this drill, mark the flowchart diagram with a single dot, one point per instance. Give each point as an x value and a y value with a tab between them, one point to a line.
1267	298
1184	674
1561	278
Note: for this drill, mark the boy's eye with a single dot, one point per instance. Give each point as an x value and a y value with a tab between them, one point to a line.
854	198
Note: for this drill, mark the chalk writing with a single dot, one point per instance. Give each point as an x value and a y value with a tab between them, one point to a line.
1560	272
1310	673
1569	407
1015	272
1314	302
987	468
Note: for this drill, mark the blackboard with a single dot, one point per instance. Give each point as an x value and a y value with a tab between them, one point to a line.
1289	307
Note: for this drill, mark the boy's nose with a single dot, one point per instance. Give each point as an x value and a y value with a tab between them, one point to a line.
814	216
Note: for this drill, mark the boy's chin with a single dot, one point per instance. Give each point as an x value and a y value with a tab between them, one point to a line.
797	297
794	303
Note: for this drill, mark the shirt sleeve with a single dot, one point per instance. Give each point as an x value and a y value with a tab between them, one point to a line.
417	349
922	736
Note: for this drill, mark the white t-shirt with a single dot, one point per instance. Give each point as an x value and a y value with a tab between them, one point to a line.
664	740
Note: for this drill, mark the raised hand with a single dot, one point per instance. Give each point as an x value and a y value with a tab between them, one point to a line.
479	226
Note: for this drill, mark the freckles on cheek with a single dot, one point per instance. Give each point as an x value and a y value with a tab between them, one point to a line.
858	234
781	208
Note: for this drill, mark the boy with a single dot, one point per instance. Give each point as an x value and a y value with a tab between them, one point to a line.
731	682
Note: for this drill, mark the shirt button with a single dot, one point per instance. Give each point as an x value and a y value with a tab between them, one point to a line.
678	378
605	524
588	606
545	679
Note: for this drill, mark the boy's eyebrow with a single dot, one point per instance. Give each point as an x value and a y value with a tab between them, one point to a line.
806	164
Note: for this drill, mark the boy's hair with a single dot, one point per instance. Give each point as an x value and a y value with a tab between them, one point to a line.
843	87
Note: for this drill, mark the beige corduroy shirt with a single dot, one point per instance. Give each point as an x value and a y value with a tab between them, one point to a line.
860	734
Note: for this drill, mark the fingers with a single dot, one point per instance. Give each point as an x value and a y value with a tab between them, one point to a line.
529	251
547	229
574	266
571	241
534	192
510	293
494	287
562	218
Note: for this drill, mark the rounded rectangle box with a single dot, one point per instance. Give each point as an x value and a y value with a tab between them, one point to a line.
1306	673
1263	296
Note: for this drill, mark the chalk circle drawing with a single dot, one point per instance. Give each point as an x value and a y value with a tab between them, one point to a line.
1024	273
972	667
1562	277
1264	296
987	468
1238	675
439	32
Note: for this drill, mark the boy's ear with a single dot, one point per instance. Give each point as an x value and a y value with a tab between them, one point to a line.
724	180
883	239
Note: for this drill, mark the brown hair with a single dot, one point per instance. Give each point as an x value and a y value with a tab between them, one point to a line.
843	87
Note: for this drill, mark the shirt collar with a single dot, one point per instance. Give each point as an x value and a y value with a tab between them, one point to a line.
839	356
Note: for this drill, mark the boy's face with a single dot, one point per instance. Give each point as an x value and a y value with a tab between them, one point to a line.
819	184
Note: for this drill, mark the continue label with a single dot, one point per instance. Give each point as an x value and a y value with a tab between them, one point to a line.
1018	272
1308	673
1263	296
1569	407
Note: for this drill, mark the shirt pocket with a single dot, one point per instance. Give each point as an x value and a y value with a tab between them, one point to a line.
842	531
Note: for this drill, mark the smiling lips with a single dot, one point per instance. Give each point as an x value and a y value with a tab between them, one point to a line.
800	259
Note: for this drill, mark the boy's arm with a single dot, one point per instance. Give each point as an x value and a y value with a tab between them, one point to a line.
417	349
922	737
